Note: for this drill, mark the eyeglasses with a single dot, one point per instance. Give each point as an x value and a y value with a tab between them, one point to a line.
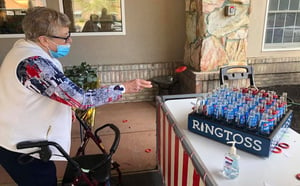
64	38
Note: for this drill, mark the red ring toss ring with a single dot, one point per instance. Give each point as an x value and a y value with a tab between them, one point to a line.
284	145
276	150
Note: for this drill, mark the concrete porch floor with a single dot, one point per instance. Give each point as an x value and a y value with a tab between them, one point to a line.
137	123
137	148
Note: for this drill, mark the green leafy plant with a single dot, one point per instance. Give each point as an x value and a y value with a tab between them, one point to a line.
84	75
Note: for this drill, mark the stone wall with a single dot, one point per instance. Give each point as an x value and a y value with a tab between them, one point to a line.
213	38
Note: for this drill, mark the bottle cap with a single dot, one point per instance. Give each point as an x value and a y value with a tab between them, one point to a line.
232	148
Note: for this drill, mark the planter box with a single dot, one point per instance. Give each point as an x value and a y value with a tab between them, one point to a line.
246	140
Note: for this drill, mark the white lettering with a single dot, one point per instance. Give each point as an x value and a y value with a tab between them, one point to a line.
235	138
228	134
196	124
202	126
209	128
257	145
248	143
220	133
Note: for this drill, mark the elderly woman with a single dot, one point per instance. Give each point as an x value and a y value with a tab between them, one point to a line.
36	98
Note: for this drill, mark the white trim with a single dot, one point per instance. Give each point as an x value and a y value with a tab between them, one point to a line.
60	6
12	35
123	16
264	31
279	49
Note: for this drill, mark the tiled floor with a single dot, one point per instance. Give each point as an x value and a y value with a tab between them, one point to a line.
137	148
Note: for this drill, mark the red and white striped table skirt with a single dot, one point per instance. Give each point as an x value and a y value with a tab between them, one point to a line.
175	158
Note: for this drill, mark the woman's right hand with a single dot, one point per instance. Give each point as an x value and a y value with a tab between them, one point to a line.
136	85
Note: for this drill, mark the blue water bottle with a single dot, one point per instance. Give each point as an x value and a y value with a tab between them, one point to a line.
252	121
264	127
209	109
230	114
240	118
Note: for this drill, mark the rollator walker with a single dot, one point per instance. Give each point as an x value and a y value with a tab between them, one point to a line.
83	169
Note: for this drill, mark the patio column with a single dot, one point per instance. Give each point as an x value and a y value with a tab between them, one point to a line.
216	33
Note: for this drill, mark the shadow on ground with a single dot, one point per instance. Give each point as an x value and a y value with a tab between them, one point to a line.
293	92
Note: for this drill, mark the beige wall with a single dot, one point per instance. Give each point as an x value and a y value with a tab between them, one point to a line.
256	31
155	32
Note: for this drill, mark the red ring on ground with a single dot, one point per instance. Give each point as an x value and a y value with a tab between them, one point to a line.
298	176
148	150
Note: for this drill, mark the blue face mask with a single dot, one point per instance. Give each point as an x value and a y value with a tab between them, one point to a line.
62	50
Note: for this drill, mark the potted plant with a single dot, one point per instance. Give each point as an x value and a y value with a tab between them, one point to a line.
85	76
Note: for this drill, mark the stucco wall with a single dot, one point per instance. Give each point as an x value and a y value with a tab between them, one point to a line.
154	33
256	31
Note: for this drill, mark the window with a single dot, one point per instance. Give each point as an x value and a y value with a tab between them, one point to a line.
95	17
282	27
88	17
12	13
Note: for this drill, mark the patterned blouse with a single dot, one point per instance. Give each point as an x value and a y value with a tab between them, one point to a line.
43	77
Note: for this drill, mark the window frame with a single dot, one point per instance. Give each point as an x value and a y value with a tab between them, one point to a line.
281	46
